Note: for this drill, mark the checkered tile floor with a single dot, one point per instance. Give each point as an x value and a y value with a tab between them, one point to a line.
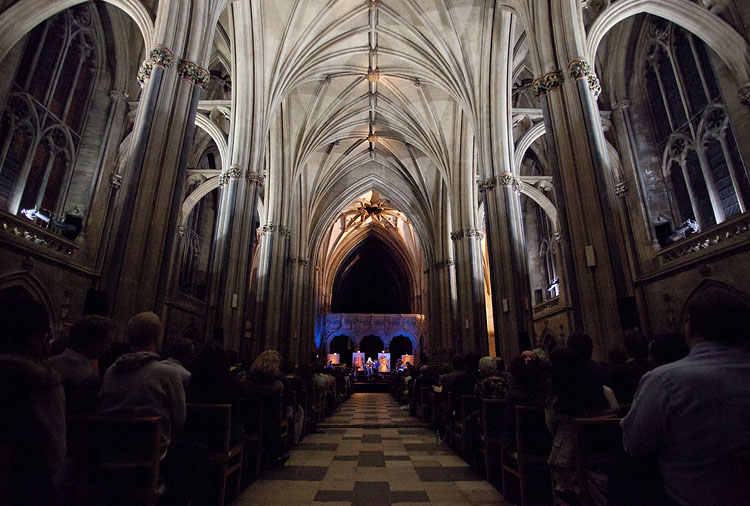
372	454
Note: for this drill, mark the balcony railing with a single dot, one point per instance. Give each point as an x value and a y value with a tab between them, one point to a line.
22	231
723	235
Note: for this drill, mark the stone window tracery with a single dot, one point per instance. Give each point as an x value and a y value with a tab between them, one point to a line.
45	112
705	177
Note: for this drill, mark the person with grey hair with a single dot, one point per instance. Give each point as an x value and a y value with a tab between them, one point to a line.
492	384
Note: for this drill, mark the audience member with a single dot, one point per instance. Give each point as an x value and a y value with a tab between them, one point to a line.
624	379
584	345
210	380
576	392
667	348
32	418
491	384
115	351
693	413
529	389
181	354
139	384
89	338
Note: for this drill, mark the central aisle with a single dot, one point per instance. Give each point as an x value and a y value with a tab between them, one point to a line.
372	454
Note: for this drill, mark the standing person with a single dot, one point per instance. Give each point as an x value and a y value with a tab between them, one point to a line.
693	413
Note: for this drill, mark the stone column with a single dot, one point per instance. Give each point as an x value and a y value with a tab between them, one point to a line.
138	264
472	319
580	159
508	268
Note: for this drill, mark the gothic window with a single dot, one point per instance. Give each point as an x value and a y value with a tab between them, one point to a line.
704	173
44	114
547	254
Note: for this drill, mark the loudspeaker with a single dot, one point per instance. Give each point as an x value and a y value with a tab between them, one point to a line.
97	302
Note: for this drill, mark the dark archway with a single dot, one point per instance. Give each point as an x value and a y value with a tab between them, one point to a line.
400	345
371	280
344	346
371	346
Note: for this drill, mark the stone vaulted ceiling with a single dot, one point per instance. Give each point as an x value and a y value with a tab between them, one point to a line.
368	94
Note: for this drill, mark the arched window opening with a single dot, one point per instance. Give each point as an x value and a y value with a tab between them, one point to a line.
45	114
706	178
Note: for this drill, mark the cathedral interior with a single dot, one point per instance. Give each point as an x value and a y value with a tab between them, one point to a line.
447	176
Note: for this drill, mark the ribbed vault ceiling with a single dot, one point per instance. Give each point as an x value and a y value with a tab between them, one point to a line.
314	57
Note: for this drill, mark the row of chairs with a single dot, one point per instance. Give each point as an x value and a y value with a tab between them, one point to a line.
522	456
118	458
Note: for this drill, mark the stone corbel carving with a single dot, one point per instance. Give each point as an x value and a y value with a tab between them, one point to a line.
487	184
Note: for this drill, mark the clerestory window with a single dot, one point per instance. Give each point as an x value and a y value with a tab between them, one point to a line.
45	112
705	176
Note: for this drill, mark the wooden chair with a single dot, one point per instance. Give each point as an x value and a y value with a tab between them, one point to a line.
598	441
492	428
210	425
251	416
423	404
469	404
741	458
119	457
532	448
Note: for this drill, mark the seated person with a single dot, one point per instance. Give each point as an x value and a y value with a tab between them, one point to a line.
139	384
692	414
181	355
90	336
32	418
576	391
529	389
624	379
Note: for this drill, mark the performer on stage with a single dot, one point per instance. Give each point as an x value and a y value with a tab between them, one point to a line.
369	366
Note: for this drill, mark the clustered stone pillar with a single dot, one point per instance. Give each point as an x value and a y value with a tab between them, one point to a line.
577	140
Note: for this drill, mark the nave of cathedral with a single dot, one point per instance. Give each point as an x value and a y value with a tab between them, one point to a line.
336	180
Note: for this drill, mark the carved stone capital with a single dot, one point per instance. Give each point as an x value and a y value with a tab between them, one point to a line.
474	233
621	189
505	179
744	92
144	72
374	5
303	261
115	181
285	231
254	177
486	184
582	69
456	236
181	231
548	83
194	74
161	56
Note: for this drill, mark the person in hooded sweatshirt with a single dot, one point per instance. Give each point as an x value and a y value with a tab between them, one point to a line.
139	384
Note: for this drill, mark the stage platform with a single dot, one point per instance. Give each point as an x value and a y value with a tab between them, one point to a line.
381	385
